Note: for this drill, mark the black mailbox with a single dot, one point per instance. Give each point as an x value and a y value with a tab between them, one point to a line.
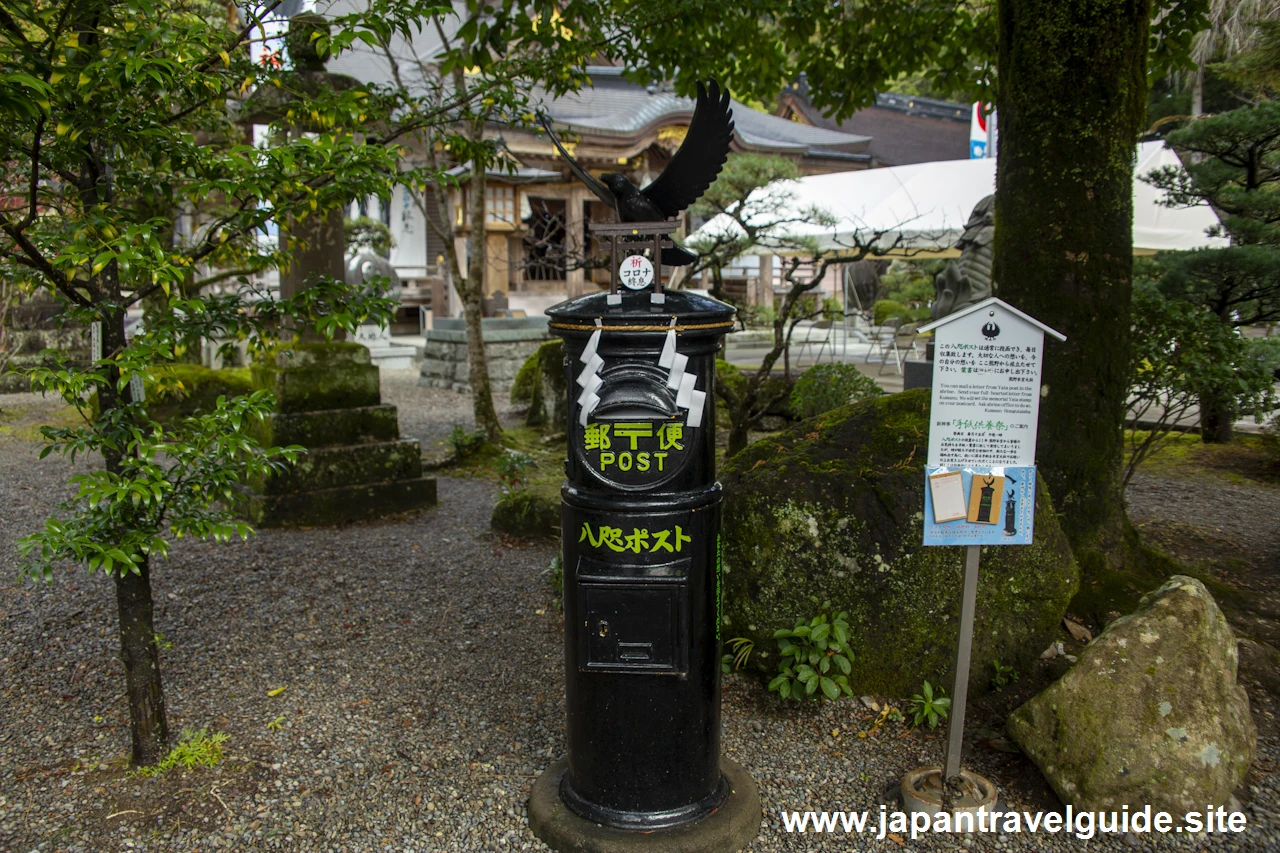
640	525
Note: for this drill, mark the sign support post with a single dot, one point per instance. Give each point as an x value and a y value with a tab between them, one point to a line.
960	692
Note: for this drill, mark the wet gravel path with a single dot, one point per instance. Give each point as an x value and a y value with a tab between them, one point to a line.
423	683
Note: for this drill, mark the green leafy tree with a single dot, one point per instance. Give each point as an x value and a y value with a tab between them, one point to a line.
114	127
491	57
1179	349
1231	162
1072	94
849	51
814	658
1071	80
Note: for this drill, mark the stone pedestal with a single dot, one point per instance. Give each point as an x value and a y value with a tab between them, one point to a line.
507	343
385	353
917	373
328	399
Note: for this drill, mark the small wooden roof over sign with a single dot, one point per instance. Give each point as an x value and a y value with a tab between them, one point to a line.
986	303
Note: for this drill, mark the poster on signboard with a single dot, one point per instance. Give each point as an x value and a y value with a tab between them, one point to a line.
996	505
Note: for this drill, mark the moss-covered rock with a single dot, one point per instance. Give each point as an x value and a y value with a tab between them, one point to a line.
331	427
1151	713
531	511
541	383
833	509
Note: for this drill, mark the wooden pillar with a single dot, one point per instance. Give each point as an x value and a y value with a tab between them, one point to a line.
764	283
576	241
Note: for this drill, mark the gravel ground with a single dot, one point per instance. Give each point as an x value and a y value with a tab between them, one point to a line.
421	661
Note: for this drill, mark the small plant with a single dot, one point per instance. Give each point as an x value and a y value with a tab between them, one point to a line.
465	441
925	707
555	577
815	658
1003	675
742	648
824	387
512	466
196	748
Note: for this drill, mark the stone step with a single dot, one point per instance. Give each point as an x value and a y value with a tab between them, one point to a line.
347	465
339	505
331	427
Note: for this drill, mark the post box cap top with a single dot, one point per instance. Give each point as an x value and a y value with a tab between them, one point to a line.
694	314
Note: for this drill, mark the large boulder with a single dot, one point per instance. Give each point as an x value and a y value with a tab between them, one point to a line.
1151	713
833	509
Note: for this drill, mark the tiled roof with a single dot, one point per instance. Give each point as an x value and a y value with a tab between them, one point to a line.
615	106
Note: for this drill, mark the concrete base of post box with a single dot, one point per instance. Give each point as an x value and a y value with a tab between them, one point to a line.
728	829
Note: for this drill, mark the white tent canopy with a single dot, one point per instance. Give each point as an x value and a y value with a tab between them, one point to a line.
927	204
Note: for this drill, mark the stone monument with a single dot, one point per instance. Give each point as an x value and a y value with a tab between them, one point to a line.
328	394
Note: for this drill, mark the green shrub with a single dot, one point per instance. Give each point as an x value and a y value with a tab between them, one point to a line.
757	316
815	658
927	708
554	573
887	309
824	387
465	441
196	748
513	469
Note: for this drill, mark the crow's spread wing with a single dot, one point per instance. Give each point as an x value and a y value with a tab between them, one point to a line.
602	192
701	155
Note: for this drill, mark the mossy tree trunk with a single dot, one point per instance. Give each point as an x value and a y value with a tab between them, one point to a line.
1072	99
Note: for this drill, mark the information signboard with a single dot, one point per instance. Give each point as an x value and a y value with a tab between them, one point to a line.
982	426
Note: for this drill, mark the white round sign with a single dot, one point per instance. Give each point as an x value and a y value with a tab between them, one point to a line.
636	272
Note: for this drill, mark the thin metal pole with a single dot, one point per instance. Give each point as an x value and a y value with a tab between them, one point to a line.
959	692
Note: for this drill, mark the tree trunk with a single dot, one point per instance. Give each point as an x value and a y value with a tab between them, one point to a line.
1072	99
1216	418
739	435
148	724
1197	92
473	311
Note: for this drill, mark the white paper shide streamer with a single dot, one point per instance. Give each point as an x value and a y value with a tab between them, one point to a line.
681	381
678	379
589	378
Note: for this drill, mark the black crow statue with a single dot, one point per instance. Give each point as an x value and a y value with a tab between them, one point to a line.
688	174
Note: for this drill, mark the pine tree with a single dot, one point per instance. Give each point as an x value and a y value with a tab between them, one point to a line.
1232	162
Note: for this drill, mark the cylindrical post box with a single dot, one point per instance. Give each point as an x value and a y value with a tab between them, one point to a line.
640	524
